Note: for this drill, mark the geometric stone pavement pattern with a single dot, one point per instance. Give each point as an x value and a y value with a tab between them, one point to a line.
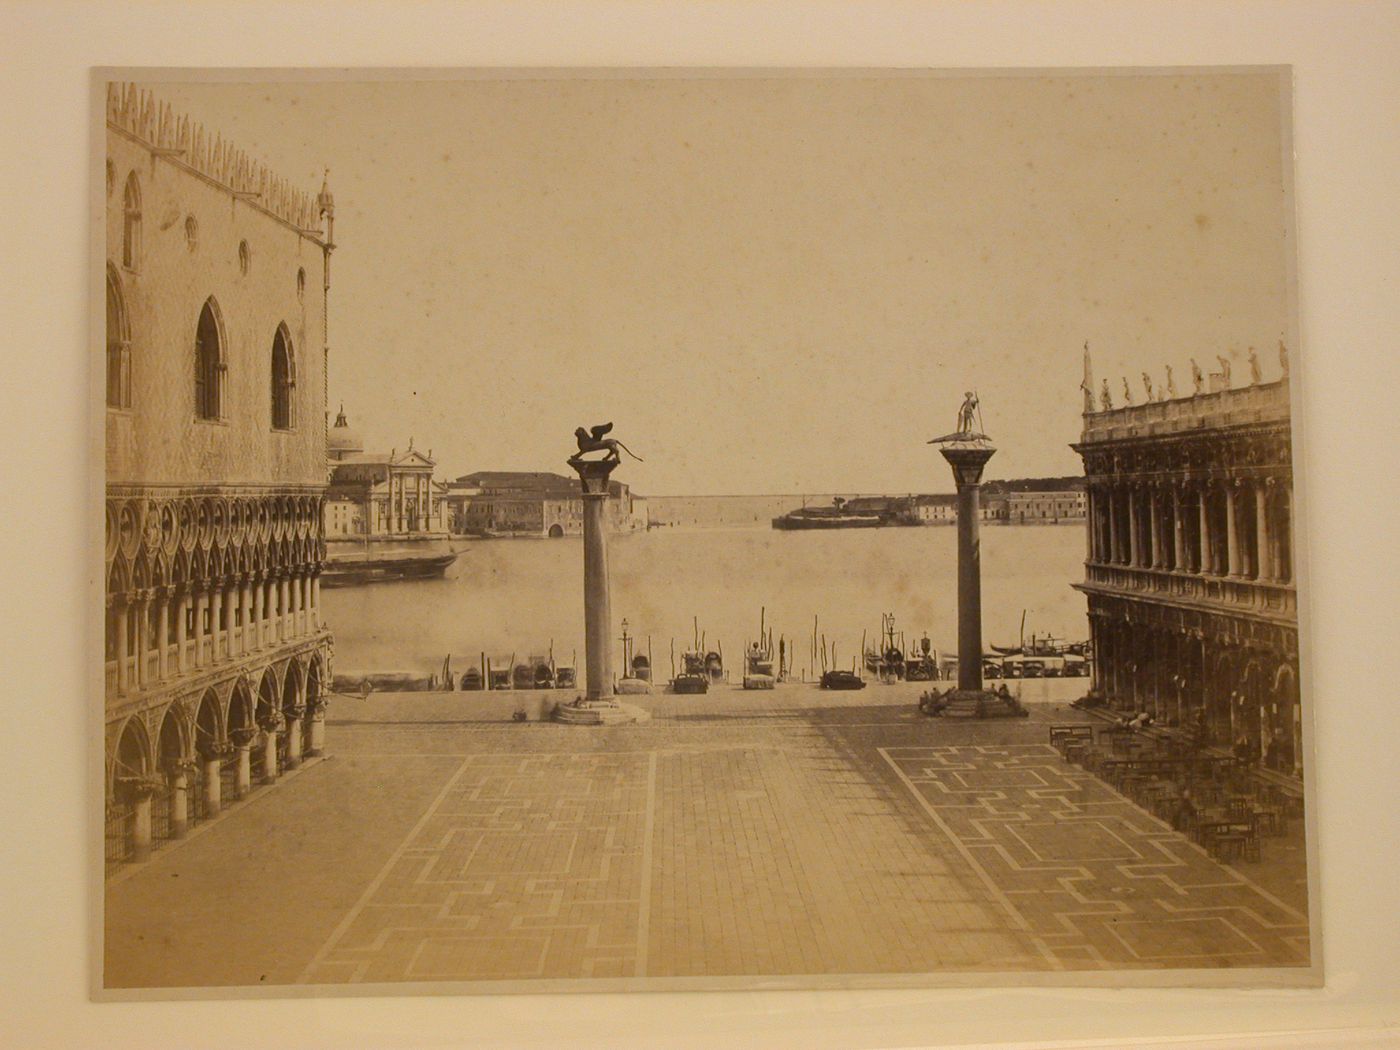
1098	881
727	858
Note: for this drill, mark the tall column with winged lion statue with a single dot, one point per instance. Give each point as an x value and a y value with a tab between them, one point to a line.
597	457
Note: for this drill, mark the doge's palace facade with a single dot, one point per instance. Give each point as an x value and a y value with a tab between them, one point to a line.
216	657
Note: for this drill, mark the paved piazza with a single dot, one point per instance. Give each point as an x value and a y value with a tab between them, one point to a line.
732	835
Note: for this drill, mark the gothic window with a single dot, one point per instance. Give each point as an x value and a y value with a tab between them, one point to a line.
208	364
118	345
111	178
191	232
245	257
283	380
301	285
131	223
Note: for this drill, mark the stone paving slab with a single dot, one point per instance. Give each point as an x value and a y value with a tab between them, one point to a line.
855	838
1101	882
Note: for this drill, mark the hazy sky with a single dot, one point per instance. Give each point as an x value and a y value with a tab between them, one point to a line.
776	285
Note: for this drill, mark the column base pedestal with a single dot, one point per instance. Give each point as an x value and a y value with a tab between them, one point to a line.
581	712
971	703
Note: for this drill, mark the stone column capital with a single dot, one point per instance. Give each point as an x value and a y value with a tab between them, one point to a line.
593	474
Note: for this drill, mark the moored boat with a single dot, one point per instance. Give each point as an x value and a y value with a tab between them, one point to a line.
375	560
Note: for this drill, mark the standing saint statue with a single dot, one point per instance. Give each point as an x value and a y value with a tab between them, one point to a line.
1256	374
967	415
1171	384
1106	397
1283	357
1198	380
1224	369
1127	392
1147	385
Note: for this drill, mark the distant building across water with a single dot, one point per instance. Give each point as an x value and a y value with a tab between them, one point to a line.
533	503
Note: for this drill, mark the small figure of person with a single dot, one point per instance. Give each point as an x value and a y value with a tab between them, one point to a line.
1256	374
1185	811
1127	392
1244	752
1171	384
1198	735
1147	385
1198	379
1105	397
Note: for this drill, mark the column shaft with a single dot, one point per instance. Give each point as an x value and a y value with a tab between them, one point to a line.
597	601
216	602
1133	551
179	805
1204	562
212	787
162	636
1264	569
181	631
1232	540
969	588
123	641
269	756
1178	532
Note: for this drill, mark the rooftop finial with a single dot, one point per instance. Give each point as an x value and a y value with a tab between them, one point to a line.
325	200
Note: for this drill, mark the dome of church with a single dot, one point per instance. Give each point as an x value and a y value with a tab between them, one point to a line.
343	440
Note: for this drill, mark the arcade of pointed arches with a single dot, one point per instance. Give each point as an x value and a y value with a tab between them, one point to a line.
173	765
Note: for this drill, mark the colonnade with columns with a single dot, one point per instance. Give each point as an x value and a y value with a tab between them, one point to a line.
1234	527
1180	666
156	633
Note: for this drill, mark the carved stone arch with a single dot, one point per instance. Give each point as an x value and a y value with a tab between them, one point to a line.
269	694
187	526
140	572
222	511
199	565
180	574
118	575
128	517
239	706
131	754
167	527
174	738
160	570
293	688
209	726
204	522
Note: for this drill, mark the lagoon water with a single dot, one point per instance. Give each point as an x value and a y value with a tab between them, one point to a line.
520	595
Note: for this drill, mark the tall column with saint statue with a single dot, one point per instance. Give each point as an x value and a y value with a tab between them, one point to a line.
967	451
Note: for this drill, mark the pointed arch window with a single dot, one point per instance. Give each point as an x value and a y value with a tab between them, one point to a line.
118	345
208	364
131	223
284	380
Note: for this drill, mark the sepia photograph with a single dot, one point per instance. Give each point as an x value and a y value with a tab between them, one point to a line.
587	530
